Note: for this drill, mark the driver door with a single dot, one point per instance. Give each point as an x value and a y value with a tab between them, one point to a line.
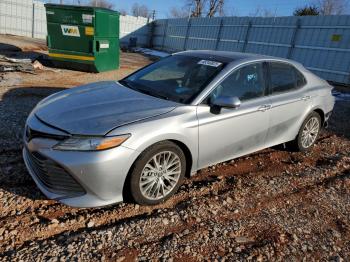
232	132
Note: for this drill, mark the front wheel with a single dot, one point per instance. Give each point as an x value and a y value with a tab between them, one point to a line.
308	133
157	173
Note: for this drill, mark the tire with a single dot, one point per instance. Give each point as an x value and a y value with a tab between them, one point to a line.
147	176
301	143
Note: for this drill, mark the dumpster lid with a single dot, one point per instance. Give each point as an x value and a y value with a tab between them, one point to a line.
79	7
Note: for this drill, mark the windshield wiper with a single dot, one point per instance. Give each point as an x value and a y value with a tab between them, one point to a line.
126	83
147	92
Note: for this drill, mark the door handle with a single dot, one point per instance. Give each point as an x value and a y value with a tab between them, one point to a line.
305	98
263	108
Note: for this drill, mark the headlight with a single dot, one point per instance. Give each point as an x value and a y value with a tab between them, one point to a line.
91	143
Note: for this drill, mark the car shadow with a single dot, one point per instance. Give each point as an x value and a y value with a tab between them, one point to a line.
339	123
15	106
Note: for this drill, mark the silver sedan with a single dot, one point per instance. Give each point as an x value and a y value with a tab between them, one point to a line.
137	138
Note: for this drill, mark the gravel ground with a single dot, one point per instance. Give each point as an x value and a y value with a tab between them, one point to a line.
270	205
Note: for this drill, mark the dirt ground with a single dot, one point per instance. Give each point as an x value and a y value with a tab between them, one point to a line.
270	205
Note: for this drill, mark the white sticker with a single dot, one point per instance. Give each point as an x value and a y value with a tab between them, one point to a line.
87	19
50	12
209	63
104	45
70	30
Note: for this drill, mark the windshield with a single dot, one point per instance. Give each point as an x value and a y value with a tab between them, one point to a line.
178	78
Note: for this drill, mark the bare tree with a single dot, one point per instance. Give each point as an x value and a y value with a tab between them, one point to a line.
101	3
262	12
267	13
231	12
140	10
197	7
306	10
256	12
176	12
332	7
214	7
209	8
122	11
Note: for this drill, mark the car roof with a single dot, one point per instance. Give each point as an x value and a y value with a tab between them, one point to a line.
229	57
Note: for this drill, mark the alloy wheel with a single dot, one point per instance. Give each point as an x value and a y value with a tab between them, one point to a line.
160	175
310	132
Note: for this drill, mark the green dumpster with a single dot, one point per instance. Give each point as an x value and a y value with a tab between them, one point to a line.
83	38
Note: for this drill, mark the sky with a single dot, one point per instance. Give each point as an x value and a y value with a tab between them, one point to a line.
232	7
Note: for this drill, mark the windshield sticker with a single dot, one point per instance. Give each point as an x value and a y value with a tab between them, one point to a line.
209	63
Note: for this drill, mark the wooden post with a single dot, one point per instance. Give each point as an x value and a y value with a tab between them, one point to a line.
218	38
33	20
187	33
246	36
293	39
165	32
152	25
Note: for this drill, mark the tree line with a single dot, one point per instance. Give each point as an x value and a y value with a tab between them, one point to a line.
212	8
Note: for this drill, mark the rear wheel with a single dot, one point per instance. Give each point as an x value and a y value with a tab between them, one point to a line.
308	133
157	173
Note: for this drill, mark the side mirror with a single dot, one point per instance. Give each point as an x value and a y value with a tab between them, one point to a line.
227	102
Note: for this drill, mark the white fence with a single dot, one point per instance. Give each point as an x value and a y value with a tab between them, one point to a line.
28	18
23	17
139	27
321	43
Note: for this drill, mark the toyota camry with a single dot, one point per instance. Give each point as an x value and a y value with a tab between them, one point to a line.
139	137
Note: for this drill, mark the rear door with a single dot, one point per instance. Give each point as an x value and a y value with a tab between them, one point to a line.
289	101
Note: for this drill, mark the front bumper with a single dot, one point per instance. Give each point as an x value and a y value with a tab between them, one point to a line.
100	174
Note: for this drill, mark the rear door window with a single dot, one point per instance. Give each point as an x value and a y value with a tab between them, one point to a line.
284	77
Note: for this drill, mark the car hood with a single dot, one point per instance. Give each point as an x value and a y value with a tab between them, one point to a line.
96	109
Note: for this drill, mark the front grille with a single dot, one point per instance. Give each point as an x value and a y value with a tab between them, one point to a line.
55	178
31	133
